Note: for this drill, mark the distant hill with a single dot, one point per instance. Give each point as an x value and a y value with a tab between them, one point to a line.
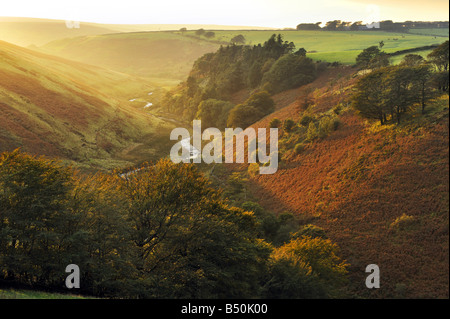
151	54
65	109
26	32
31	31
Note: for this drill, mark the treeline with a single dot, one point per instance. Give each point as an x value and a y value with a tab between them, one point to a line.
388	92
386	25
163	232
272	67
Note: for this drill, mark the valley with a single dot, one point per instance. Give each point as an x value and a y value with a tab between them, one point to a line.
362	172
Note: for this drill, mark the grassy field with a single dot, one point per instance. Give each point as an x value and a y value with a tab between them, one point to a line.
167	57
337	46
398	58
35	294
437	32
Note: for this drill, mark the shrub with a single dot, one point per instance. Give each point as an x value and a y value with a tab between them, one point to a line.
312	132
305	120
311	268
299	148
310	230
275	123
404	222
288	125
253	169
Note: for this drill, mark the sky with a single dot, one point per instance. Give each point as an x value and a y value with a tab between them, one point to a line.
267	13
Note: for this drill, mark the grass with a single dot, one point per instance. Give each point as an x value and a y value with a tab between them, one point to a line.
167	56
33	294
340	46
437	32
65	109
398	58
155	55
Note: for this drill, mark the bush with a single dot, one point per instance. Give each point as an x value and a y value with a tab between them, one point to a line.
404	222
253	169
275	123
305	120
288	125
299	148
311	267
310	231
312	132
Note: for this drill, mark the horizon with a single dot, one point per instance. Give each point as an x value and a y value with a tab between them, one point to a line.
12	18
250	13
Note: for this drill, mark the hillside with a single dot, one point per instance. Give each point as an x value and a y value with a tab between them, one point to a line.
37	32
65	109
27	31
151	54
380	192
170	55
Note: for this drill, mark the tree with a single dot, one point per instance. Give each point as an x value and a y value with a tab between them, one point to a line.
101	244
306	268
243	116
440	81
192	86
209	34
309	26
200	32
288	72
191	243
412	60
356	26
262	102
238	39
421	84
332	25
398	94
214	113
371	57
439	57
368	99
34	212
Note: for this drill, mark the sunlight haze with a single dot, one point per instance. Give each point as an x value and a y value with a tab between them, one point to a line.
269	13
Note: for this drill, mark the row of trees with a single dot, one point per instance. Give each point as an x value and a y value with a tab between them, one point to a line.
388	92
273	67
334	25
161	233
389	25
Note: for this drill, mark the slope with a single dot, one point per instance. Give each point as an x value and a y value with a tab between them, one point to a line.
166	55
61	108
380	192
33	31
28	31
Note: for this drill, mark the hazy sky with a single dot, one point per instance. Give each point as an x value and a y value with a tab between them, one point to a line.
270	13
